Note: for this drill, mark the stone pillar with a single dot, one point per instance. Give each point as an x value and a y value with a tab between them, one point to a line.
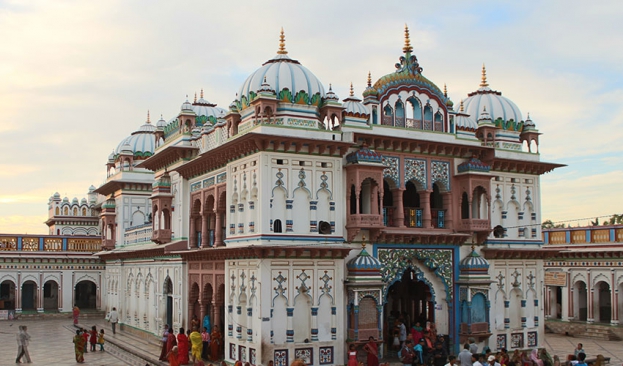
314	329
536	312
507	319
205	238
399	211
590	316
60	294
215	317
374	200
193	233
425	204
289	221
250	324
447	205
614	303
290	325
571	299
523	313
230	325
218	230
39	304
313	217
333	323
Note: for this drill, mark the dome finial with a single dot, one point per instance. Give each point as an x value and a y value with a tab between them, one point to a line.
201	95
369	79
195	100
352	92
407	48
461	107
445	90
363	242
148	121
483	82
282	44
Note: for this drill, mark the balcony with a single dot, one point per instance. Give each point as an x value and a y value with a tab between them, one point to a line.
50	243
480	331
161	236
475	225
365	220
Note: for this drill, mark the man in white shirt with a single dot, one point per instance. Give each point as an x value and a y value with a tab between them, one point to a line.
451	361
403	333
114	319
492	361
475	361
465	357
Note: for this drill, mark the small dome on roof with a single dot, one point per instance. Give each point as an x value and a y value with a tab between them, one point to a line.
364	155
74	201
331	95
126	148
65	200
484	118
529	125
83	201
141	143
111	157
473	262
161	122
364	266
353	106
91	188
187	106
57	195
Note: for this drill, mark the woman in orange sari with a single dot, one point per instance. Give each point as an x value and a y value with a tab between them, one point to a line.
76	314
215	343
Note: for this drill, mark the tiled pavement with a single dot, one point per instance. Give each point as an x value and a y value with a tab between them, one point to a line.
51	345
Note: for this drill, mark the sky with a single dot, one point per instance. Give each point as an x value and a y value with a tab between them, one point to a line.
77	77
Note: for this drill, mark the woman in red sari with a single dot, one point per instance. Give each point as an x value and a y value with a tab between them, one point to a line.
215	345
182	347
373	352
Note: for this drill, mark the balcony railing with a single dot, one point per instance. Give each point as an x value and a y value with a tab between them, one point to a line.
475	225
50	243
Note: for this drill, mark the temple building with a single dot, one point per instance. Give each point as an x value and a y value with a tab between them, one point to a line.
584	280
301	223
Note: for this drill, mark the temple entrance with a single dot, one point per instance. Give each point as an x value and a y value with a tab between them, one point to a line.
410	299
168	294
7	295
29	291
50	296
85	295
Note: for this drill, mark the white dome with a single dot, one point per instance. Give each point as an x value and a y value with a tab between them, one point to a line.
497	105
466	122
353	106
140	143
209	110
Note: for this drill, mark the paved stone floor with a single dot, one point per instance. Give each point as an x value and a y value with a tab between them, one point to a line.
51	345
561	345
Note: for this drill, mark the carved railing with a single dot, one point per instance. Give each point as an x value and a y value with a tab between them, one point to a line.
138	234
475	225
365	220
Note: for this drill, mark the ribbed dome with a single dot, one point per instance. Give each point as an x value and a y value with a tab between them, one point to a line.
473	262
364	155
186	106
497	105
281	72
57	196
74	201
353	106
465	122
364	265
140	143
202	110
83	201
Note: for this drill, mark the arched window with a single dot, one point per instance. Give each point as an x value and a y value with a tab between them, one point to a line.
353	200
400	114
464	206
277	228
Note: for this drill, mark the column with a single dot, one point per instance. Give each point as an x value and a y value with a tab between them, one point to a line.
215	317
507	319
314	330
289	221
356	327
399	210
250	324
40	293
469	316
614	314
313	217
374	200
447	205
523	313
204	229
590	316
193	233
379	321
487	314
290	325
425	204
230	325
238	326
60	293
18	293
571	295
218	230
536	312
333	323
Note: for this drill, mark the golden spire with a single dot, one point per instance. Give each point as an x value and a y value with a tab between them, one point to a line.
483	82
195	101
369	79
407	48
201	93
462	108
148	121
352	93
445	90
363	242
282	44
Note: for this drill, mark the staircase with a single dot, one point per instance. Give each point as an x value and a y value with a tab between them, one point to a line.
88	314
600	332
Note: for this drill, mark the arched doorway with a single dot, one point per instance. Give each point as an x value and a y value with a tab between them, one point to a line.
50	296
167	291
85	294
29	295
579	297
602	304
206	300
7	295
220	300
193	301
410	299
411	205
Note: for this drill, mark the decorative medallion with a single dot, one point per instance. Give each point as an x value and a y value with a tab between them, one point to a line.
305	354
517	340
532	339
501	341
392	171
440	173
280	357
415	169
326	355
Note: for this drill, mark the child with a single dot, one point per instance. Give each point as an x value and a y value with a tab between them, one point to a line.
93	338
85	335
100	340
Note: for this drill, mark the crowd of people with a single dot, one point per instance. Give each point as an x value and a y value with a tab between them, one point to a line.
191	346
83	338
